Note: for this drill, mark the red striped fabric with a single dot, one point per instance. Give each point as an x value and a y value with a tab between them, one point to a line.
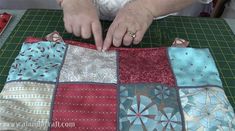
88	106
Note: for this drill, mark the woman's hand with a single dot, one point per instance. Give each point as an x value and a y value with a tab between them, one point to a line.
129	26
81	19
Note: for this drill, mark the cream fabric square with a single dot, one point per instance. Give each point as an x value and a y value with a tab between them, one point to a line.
88	65
25	106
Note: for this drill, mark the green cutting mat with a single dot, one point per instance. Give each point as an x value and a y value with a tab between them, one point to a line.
214	34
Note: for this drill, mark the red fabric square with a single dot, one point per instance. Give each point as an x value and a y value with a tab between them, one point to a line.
88	106
4	20
145	66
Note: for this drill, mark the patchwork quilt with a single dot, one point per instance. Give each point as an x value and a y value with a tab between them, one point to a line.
56	85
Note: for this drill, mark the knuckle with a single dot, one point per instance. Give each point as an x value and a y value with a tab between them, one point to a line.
88	19
96	22
138	27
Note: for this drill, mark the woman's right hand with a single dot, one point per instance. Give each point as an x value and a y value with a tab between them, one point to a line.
81	19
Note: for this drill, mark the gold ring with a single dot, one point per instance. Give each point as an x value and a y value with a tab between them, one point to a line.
132	34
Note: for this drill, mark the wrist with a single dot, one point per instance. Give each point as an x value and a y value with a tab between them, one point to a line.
161	7
154	7
145	8
63	3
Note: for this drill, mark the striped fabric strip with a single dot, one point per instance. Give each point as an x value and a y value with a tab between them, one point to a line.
25	106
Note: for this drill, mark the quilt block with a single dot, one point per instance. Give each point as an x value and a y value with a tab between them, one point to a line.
40	61
93	66
145	66
68	85
194	67
26	105
91	106
149	107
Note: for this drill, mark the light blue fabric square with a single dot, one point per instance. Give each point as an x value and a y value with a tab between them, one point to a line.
39	61
207	109
194	67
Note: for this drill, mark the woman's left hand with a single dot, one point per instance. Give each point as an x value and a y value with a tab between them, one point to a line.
129	26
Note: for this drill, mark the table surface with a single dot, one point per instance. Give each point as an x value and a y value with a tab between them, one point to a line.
214	34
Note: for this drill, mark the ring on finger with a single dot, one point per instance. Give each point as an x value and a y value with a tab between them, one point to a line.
132	34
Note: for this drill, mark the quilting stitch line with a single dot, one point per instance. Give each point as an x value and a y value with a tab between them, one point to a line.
118	90
168	57
203	86
36	81
177	91
181	110
86	82
55	90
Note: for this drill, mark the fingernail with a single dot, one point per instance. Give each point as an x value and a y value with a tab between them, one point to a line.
104	49
99	49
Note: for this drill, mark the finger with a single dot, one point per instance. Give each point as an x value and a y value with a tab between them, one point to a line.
127	40
139	37
86	31
97	32
109	37
67	26
118	35
77	30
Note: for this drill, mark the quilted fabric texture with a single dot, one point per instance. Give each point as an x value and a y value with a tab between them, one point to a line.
145	66
149	107
25	103
206	109
40	61
93	66
70	86
89	106
194	67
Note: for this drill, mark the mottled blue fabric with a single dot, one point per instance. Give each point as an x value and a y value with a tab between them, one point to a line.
193	67
38	61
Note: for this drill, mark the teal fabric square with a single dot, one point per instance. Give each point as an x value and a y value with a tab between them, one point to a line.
207	108
193	67
39	61
149	107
